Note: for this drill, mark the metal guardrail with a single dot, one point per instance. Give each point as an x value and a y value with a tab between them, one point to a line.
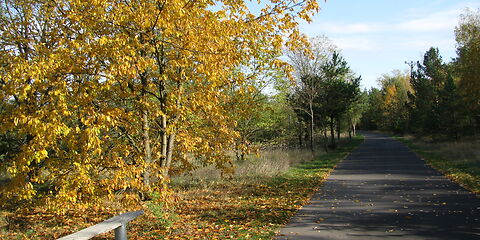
117	223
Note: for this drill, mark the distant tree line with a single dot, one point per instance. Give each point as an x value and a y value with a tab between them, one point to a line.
435	98
323	101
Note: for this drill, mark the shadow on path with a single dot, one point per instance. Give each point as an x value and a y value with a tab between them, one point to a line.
382	190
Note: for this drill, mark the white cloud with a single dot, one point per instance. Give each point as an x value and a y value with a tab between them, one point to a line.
342	28
377	45
418	32
440	21
426	43
434	22
355	43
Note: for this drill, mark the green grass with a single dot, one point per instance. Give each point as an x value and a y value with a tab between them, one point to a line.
458	161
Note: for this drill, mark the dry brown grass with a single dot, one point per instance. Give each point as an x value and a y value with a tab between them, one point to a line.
273	162
459	151
459	161
264	163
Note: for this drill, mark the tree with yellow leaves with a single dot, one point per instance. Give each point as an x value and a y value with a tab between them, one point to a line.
394	104
104	98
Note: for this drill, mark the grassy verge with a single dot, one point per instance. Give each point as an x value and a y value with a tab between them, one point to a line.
458	161
248	207
243	207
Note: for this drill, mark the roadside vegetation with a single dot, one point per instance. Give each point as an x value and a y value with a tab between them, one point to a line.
251	204
459	161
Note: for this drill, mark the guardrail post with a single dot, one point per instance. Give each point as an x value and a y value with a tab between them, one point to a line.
121	232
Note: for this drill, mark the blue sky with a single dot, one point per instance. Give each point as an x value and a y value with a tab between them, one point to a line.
378	36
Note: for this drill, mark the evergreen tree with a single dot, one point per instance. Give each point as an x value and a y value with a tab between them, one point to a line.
338	93
449	108
427	81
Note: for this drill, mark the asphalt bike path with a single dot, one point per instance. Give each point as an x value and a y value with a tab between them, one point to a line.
383	190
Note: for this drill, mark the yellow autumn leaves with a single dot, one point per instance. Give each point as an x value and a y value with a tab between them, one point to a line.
103	98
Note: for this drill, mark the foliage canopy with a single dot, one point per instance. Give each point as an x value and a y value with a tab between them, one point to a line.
104	98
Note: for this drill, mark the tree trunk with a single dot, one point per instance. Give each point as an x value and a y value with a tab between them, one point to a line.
338	131
164	141
146	133
300	131
311	127
147	149
455	126
171	136
171	142
306	139
325	139
332	132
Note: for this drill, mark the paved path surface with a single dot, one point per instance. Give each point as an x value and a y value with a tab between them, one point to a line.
382	190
